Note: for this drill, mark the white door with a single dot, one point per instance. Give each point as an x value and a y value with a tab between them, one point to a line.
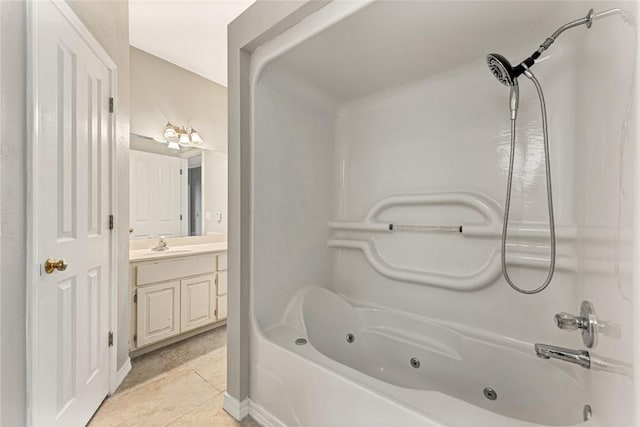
71	207
156	195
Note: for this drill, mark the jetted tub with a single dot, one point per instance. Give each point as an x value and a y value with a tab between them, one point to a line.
443	371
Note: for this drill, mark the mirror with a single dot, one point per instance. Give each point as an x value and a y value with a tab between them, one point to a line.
166	190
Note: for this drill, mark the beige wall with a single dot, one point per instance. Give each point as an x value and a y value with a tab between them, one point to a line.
215	190
13	213
162	92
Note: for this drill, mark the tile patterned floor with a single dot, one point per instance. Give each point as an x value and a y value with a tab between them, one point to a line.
179	385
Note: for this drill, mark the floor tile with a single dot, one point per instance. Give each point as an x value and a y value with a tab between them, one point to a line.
182	384
210	413
213	368
107	416
160	402
148	368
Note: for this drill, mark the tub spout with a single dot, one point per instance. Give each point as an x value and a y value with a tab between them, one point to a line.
579	357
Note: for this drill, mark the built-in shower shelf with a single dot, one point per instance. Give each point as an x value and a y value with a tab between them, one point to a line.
365	236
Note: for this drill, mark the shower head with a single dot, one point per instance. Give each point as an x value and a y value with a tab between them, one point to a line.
501	69
507	74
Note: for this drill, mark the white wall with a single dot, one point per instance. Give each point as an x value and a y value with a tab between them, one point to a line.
606	211
450	133
293	187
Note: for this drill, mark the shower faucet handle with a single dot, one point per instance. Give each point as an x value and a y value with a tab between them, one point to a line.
568	322
587	322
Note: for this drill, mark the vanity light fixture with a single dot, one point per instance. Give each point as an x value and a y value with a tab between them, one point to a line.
180	135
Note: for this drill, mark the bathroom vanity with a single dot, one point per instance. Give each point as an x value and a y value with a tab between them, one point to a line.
176	293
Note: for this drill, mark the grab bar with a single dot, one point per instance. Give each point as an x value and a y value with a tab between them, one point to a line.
471	230
387	227
426	228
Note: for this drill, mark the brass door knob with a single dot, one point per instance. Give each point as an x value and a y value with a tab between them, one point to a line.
51	265
130	229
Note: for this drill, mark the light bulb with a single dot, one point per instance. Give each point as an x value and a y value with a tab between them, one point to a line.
195	138
184	139
170	131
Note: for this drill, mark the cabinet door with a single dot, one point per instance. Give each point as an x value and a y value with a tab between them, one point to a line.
158	312
222	282
222	307
198	302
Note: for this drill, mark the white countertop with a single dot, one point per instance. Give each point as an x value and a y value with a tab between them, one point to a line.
177	251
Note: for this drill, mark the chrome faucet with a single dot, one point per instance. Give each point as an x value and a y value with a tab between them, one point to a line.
162	245
579	357
587	323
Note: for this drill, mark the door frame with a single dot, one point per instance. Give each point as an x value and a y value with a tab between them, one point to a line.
33	163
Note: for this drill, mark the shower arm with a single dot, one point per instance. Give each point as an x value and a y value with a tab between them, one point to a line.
587	20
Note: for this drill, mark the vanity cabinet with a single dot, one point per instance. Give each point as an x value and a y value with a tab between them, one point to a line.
158	312
197	302
221	276
173	298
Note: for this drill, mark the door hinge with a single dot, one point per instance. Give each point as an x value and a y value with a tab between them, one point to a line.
180	171
216	280
135	338
110	339
215	313
111	222
135	299
111	105
180	217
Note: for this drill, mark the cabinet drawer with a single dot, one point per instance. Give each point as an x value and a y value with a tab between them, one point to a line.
174	269
198	302
222	282
222	307
158	312
222	262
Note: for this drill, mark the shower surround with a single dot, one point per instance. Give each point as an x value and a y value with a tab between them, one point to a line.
379	150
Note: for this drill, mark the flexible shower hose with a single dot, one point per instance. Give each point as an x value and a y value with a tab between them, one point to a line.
552	227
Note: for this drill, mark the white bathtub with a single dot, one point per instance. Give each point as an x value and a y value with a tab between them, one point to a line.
368	115
456	365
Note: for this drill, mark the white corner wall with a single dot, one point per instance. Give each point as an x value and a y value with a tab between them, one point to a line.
293	184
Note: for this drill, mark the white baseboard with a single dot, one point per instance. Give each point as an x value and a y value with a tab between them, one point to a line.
239	410
122	373
235	408
262	416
